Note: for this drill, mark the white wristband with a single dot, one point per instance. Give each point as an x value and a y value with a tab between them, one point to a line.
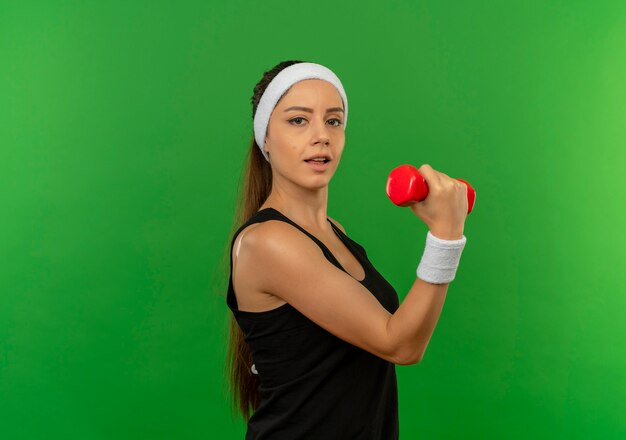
440	259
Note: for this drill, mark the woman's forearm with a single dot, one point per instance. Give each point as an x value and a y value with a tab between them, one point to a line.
412	325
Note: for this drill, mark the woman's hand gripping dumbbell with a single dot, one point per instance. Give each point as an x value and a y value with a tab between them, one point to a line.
437	199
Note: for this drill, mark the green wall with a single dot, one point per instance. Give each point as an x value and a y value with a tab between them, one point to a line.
123	128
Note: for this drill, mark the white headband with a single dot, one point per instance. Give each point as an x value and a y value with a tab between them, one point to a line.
280	84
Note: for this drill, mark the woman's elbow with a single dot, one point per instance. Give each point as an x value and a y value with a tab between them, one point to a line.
408	358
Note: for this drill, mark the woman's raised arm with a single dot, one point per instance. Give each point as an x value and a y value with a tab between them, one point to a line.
284	262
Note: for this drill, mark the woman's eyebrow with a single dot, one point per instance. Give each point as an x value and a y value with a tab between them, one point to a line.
306	109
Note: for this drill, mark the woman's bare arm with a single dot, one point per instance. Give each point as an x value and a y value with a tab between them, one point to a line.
413	324
281	260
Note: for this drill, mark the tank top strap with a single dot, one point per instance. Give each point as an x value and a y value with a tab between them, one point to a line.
274	214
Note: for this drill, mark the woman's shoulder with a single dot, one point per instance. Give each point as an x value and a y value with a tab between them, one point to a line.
265	235
273	234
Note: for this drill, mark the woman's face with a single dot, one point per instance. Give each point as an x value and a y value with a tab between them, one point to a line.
307	121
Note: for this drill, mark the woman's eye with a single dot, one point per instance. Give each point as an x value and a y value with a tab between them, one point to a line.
294	119
338	122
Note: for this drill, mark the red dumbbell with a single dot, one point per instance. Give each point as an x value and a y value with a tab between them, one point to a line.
406	185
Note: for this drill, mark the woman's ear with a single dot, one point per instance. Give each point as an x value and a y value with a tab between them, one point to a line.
267	151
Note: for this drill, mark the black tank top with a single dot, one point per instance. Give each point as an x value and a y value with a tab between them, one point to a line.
313	384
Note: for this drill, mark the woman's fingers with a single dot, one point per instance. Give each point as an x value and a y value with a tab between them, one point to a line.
441	178
430	175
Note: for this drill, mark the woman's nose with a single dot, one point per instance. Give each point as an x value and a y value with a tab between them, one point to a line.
321	132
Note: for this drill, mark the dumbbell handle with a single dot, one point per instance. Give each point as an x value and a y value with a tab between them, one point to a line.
405	185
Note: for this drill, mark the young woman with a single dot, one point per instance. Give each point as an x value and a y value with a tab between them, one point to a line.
316	330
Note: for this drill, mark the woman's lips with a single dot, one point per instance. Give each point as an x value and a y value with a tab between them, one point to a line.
317	166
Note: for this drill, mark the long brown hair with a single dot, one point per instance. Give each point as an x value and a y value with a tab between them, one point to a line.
243	386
